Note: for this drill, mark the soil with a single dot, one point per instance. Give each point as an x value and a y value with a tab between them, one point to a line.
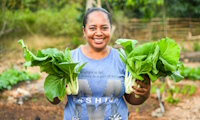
16	105
37	107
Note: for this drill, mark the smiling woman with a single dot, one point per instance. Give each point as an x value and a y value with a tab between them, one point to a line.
96	29
101	80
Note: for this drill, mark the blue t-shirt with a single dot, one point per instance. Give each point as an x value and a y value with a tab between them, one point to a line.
101	89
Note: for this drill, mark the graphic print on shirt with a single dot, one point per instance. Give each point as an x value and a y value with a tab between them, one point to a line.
77	112
111	94
113	87
114	115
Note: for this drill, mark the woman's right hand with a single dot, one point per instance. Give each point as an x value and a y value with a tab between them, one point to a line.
56	100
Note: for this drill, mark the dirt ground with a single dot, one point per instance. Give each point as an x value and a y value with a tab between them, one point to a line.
37	107
26	100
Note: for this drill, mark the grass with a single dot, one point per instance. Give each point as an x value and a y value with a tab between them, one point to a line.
12	53
10	48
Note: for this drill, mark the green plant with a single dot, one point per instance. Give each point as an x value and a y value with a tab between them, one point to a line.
172	100
49	21
155	59
176	89
196	46
137	109
191	90
75	42
190	73
184	89
162	88
12	76
153	88
60	68
183	49
188	90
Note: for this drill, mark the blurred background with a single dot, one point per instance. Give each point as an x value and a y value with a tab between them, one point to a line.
58	24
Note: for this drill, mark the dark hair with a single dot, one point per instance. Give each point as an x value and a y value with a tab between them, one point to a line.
90	10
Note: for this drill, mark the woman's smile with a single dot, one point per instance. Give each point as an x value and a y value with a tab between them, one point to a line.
98	40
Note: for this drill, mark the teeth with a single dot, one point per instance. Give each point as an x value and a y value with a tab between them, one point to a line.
98	40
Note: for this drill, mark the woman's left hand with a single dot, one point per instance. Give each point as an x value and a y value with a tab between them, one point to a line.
144	89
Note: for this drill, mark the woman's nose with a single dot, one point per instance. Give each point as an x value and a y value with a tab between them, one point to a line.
99	32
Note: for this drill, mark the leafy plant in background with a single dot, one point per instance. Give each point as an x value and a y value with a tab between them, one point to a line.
12	76
196	46
190	73
171	99
75	42
185	90
42	21
59	66
172	92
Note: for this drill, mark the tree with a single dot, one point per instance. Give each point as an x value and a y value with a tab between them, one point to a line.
93	3
183	8
4	30
135	8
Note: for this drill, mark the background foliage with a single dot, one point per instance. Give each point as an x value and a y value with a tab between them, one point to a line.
64	17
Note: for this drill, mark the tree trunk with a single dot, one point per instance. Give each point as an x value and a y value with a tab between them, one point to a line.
164	19
98	3
90	3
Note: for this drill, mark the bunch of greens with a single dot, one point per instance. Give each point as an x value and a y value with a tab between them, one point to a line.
155	59
12	76
59	66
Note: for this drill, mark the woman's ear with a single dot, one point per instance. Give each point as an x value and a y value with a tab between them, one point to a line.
83	28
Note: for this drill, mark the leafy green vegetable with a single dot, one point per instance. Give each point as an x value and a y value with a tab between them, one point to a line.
12	76
155	59
60	68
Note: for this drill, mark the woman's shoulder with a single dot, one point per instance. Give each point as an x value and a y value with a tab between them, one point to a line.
116	58
115	52
75	51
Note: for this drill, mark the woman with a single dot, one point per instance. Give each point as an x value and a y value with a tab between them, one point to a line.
101	80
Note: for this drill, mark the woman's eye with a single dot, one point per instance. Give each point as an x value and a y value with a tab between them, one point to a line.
92	28
104	28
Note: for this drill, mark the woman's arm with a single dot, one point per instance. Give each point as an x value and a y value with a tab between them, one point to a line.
143	92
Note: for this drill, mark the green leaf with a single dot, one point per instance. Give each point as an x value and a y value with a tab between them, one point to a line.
59	57
155	59
67	67
176	76
128	44
122	55
169	53
131	63
50	51
80	67
68	56
54	86
28	55
152	77
145	49
139	77
143	67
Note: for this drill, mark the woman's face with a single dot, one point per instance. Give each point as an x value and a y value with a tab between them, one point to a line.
97	30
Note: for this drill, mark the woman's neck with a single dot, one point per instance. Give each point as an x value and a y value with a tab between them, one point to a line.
95	54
